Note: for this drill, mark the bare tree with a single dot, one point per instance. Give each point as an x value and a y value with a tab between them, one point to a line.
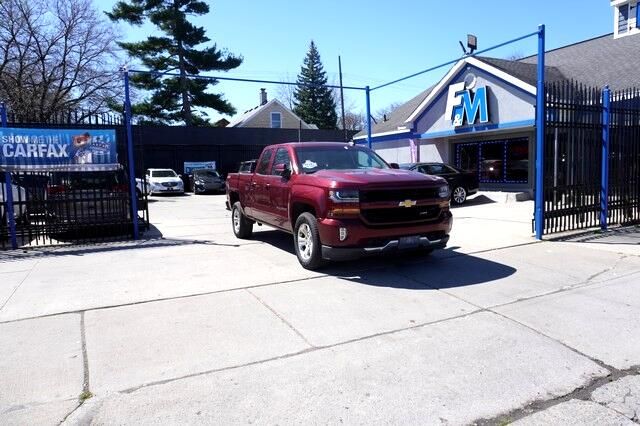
516	55
385	113
56	55
353	120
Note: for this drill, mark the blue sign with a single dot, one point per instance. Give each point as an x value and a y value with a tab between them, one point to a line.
463	103
190	166
58	149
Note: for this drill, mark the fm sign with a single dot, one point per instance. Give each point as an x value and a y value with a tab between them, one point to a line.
463	103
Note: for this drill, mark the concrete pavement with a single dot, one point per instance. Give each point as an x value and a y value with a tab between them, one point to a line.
200	327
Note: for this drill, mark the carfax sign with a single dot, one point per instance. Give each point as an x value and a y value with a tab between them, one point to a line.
58	149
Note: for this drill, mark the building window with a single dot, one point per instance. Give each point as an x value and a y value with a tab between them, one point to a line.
499	161
623	19
276	120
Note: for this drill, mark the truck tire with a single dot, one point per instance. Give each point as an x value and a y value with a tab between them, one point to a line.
242	227
306	240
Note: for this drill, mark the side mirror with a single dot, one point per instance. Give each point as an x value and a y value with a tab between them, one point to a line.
283	170
394	166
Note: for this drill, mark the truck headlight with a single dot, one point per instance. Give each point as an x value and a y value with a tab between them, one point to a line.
443	191
345	196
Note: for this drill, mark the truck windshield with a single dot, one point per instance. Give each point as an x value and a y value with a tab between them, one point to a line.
312	159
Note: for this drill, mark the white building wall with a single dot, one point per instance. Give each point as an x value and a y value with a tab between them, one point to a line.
434	151
394	152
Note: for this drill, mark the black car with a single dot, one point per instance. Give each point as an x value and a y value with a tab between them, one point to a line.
462	183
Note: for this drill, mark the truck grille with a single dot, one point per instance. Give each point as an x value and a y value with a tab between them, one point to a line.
400	215
382	195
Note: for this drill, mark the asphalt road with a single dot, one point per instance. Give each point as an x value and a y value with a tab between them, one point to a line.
199	327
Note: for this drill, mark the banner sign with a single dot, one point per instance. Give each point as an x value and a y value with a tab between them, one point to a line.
58	149
190	166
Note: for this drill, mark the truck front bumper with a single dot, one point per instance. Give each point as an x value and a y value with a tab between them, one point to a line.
350	253
362	240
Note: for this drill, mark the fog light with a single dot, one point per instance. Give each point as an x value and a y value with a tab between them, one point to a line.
343	234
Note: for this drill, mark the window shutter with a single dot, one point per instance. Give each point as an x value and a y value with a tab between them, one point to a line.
637	15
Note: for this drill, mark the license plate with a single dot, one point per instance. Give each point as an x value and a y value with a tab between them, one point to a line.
409	242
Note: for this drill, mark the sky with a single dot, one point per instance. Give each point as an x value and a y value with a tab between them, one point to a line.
379	41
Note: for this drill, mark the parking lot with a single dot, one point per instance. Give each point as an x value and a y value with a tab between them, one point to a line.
191	325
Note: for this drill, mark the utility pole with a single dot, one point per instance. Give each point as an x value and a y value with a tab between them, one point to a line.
344	128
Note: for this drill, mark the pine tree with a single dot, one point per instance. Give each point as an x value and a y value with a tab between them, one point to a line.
174	99
313	102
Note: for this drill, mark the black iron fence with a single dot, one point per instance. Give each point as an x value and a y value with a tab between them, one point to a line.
52	208
580	190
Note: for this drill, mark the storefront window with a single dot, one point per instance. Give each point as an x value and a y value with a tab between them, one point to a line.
467	157
517	155
492	162
501	161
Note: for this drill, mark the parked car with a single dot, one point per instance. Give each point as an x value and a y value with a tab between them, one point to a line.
340	202
163	181
462	183
207	180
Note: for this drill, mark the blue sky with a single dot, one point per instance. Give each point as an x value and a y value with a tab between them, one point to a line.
379	41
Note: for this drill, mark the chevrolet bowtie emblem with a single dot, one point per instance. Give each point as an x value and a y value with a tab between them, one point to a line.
407	203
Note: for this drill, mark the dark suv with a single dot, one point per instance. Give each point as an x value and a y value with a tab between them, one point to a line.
461	182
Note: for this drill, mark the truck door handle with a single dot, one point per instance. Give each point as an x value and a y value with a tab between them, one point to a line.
268	186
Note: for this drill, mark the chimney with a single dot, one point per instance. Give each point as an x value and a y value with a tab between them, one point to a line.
263	96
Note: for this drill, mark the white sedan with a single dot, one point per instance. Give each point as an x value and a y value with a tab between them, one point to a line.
161	181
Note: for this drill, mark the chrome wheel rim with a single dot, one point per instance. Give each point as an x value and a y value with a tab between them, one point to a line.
459	195
305	243
236	220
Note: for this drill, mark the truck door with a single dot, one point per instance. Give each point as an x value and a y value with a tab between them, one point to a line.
279	190
258	195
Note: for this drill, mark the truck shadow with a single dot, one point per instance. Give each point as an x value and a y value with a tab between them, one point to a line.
442	269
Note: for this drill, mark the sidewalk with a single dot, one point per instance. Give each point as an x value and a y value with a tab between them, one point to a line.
200	327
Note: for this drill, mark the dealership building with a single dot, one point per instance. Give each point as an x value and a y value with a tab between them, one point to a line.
481	115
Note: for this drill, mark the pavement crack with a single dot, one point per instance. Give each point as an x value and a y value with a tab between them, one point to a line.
281	318
19	285
582	393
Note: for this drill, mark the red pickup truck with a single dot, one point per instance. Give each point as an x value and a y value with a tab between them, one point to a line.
340	202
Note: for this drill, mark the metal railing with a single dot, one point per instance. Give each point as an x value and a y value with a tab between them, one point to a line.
592	156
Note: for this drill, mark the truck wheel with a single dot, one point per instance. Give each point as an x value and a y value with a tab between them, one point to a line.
306	241
242	227
459	195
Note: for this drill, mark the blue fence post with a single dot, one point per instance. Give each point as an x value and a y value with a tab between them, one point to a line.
367	92
540	133
8	189
604	181
132	170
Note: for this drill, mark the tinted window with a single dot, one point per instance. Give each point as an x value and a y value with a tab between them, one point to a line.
163	173
265	160
282	157
90	180
436	169
210	173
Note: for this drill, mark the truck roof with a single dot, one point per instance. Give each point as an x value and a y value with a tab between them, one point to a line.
314	144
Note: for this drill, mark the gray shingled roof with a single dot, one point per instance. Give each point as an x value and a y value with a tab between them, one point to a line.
524	71
597	62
